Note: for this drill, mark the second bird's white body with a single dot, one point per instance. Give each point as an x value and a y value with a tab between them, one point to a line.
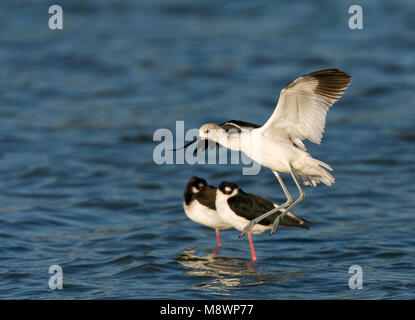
227	215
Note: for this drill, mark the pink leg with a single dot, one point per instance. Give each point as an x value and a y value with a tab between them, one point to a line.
218	238
250	266
251	243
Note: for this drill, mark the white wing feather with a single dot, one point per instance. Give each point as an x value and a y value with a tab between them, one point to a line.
303	104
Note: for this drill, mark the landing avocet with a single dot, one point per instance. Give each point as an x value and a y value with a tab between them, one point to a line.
300	114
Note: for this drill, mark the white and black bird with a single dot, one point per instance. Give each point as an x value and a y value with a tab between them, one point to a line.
238	208
199	206
278	145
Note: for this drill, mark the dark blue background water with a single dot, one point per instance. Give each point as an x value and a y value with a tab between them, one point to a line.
79	188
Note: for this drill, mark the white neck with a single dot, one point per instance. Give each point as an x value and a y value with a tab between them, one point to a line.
230	141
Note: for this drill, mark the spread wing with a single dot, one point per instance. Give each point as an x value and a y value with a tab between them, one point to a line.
303	104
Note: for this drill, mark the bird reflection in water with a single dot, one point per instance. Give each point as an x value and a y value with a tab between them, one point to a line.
228	273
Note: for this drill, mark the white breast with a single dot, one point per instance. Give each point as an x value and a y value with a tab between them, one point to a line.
276	154
227	215
204	215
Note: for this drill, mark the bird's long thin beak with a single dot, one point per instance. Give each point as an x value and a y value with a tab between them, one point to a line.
186	145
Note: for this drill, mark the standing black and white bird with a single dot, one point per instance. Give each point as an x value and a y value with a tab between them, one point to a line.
199	206
278	145
238	208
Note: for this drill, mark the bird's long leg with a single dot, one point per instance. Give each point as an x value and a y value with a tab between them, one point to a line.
251	244
289	201
282	215
218	238
284	188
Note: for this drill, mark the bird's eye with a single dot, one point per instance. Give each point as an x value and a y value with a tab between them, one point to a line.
207	131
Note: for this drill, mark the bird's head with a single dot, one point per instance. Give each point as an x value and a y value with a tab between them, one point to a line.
195	185
210	131
228	189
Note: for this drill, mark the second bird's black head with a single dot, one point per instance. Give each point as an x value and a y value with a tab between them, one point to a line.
227	187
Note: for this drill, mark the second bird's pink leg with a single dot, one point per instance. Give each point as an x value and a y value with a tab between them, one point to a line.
251	243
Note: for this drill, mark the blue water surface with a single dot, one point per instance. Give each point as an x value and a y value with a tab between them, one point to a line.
79	187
